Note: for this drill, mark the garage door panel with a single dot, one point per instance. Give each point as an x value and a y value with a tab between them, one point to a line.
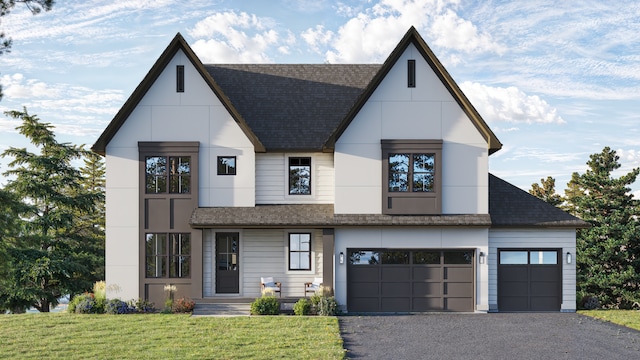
427	289
514	288
459	304
546	288
513	303
545	303
395	273
395	304
364	273
361	304
514	273
459	289
365	289
543	273
396	289
428	304
458	273
427	273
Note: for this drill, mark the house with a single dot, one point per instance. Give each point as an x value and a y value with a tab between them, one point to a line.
373	177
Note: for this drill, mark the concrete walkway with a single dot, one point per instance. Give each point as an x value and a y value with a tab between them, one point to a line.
487	336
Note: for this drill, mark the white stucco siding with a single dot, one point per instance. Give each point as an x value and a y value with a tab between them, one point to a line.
163	114
272	179
564	239
412	238
395	111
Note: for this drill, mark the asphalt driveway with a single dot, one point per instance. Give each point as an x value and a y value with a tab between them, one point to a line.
487	336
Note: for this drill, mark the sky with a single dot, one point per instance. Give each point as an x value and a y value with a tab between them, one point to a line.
557	81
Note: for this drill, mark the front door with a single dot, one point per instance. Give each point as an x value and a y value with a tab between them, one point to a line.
227	266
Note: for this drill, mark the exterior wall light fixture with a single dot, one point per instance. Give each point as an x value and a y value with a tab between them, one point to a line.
569	258
481	257
341	257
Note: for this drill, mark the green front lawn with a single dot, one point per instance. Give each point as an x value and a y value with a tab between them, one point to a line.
628	318
155	336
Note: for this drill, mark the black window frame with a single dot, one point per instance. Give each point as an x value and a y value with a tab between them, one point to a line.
180	78
411	73
174	255
308	252
224	169
299	161
167	176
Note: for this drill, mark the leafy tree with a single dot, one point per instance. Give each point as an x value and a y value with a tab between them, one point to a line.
608	253
47	258
546	191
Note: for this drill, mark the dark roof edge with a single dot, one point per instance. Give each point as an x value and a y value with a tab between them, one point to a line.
178	43
412	36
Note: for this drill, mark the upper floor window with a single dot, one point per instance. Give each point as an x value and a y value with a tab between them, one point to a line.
226	165
180	78
170	174
412	172
299	176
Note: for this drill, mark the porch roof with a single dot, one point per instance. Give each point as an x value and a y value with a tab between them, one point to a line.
318	215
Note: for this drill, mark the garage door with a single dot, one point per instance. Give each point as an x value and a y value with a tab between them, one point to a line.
529	280
399	280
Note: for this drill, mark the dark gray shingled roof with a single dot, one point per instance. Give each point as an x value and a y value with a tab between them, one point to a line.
293	107
317	215
511	206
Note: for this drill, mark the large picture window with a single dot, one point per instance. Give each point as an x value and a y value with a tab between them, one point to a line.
300	251
411	177
168	255
299	176
170	174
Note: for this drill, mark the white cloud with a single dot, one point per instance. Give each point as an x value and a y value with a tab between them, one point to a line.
371	34
315	37
235	37
509	105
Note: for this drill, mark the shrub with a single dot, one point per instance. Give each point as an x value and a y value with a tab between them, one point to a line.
83	304
266	305
142	306
117	306
590	302
183	305
323	303
302	307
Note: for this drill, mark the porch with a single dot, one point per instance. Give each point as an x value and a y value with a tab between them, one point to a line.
237	306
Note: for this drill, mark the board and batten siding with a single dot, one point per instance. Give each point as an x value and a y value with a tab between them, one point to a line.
564	239
272	179
263	252
395	111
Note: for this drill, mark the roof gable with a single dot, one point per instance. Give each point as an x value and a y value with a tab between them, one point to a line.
178	43
413	37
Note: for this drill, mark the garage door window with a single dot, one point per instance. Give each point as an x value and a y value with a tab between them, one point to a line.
513	257
364	258
458	257
426	257
543	257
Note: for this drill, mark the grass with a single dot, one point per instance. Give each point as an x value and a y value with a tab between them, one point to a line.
628	318
72	336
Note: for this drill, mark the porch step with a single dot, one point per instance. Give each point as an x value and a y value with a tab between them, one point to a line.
219	309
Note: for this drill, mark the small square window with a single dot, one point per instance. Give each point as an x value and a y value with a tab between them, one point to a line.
226	165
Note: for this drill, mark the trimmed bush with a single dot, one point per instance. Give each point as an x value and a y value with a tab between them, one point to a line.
142	306
302	307
266	305
117	306
183	305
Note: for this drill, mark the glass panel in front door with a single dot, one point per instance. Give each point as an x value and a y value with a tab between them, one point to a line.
227	274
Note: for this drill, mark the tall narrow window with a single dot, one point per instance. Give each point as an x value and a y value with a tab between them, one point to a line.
156	252
168	255
411	73
180	78
180	258
300	251
300	176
